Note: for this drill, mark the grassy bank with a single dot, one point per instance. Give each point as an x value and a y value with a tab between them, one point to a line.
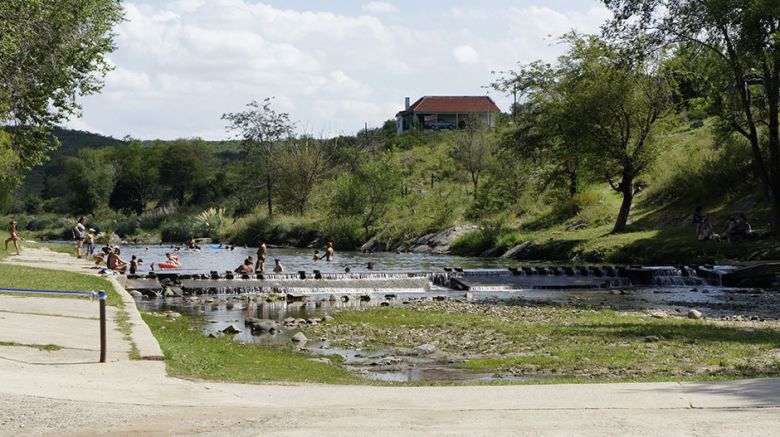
190	354
565	344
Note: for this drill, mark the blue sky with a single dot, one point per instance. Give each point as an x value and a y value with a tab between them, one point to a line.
332	65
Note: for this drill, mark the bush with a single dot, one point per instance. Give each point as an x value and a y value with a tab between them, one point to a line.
176	230
126	227
257	228
209	223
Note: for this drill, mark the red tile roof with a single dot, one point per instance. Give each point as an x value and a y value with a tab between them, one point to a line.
453	104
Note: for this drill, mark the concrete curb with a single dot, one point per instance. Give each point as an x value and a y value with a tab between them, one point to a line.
140	334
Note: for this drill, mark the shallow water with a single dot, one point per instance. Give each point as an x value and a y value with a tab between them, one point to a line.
294	259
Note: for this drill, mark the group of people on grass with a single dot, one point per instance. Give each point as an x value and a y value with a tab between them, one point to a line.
737	228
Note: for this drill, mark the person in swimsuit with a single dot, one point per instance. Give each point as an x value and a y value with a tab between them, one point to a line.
261	251
14	236
278	267
329	252
78	235
246	267
116	263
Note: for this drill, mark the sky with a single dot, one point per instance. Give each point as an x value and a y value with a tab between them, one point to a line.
334	66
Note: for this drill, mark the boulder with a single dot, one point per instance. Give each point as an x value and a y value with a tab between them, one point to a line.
299	338
440	242
694	314
135	293
319	360
425	349
216	334
231	329
518	251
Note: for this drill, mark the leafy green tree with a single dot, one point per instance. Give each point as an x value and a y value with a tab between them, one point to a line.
744	37
261	129
186	168
51	52
474	149
137	176
91	178
617	106
301	164
366	194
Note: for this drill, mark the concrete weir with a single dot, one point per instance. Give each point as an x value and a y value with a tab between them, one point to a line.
513	278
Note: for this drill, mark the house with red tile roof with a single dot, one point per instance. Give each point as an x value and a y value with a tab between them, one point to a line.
445	112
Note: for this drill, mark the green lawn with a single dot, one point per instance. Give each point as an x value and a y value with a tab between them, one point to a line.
566	344
190	354
42	279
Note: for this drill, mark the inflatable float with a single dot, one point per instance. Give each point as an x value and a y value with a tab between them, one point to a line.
173	263
217	246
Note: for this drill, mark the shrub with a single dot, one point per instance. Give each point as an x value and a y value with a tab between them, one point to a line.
209	223
176	230
126	227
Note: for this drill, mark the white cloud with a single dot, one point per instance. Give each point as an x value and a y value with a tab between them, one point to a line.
380	7
465	54
182	63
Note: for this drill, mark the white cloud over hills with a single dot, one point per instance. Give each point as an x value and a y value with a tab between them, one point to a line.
181	64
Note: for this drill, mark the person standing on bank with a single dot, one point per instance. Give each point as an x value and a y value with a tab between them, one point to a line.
14	236
78	235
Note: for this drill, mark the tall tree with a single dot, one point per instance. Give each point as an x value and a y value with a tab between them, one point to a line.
137	176
616	106
261	129
744	36
474	149
186	168
301	164
90	177
51	52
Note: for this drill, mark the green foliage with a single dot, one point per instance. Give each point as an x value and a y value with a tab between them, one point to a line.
90	177
186	168
366	194
176	230
416	214
258	228
209	223
34	278
63	46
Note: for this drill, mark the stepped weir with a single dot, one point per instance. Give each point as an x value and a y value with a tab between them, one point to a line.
513	278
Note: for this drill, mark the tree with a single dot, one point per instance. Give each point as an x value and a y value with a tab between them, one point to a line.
51	52
744	37
616	106
366	193
137	176
261	129
474	149
90	177
301	164
185	168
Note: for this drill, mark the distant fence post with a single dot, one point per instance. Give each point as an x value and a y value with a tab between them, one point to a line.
102	296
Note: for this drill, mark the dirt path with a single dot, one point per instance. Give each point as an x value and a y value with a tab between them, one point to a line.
68	392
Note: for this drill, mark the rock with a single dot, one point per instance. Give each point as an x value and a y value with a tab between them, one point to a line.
425	349
694	314
517	252
231	329
440	242
332	298
652	339
172	314
135	293
264	326
299	338
327	318
373	245
216	334
659	315
384	304
319	360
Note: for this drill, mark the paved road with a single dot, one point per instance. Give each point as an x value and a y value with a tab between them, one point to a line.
68	392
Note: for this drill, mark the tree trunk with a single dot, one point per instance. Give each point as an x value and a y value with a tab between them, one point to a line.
268	190
627	189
